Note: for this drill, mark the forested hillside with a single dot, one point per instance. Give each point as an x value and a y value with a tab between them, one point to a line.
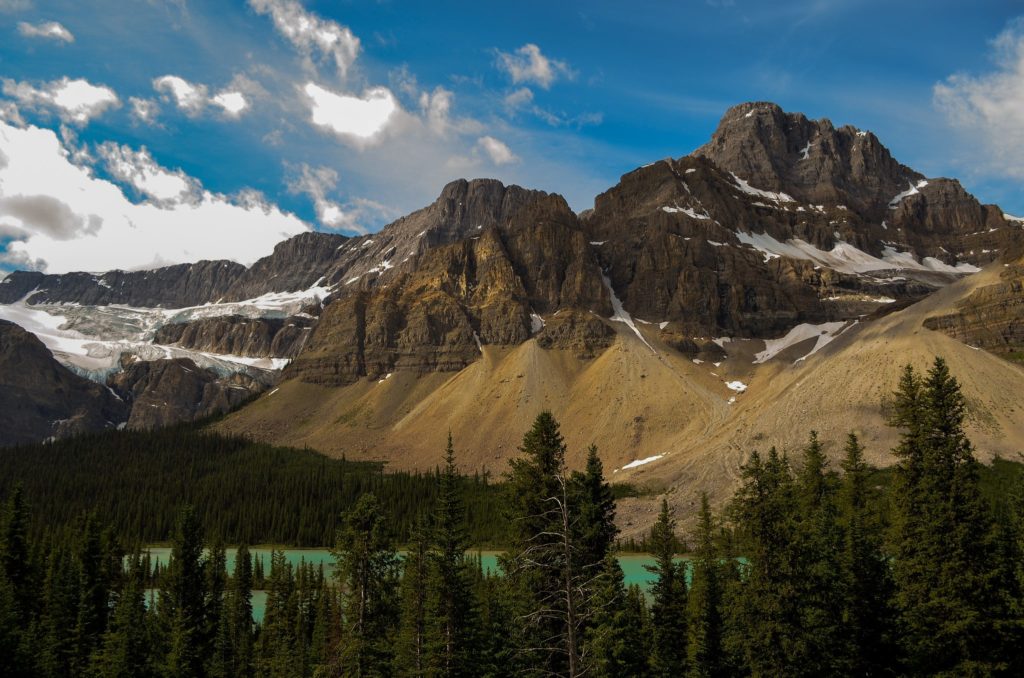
809	571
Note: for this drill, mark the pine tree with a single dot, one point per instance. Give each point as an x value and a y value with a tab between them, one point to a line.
367	570
668	609
704	655
238	615
94	594
535	564
614	644
946	582
14	555
867	600
59	615
451	642
766	628
278	656
411	645
126	648
216	636
182	599
823	646
594	504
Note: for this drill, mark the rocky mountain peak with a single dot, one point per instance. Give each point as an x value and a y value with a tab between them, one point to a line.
811	160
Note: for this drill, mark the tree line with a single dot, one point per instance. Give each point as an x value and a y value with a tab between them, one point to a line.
804	573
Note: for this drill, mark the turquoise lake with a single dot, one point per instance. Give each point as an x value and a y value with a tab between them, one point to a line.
632	565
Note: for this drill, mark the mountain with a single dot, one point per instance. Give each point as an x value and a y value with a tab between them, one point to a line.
41	399
678	322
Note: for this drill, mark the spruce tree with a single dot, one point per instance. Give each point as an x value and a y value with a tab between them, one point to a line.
238	615
277	641
126	651
867	580
367	571
215	637
14	554
411	645
767	629
704	653
183	599
451	641
822	648
614	646
94	594
950	608
535	564
594	505
668	593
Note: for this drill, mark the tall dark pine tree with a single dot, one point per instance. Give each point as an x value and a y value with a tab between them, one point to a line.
14	555
238	616
594	506
182	603
451	640
950	608
614	637
126	650
704	653
94	594
668	607
867	580
411	658
367	571
824	641
766	606
535	563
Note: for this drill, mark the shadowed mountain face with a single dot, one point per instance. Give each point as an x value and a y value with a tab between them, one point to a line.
40	398
778	222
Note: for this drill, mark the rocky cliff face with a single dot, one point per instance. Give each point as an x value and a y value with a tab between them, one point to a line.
529	257
240	336
40	398
992	317
163	392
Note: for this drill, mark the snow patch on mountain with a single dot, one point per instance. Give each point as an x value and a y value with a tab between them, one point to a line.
750	190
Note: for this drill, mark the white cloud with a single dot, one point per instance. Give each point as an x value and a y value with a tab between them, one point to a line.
75	101
67	219
498	151
189	97
144	110
194	98
233	103
140	170
359	118
436	108
50	30
528	64
309	33
989	108
355	216
519	98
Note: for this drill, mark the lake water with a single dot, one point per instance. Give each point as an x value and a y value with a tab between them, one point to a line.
632	564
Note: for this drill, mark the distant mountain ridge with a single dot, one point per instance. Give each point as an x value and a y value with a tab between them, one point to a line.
778	222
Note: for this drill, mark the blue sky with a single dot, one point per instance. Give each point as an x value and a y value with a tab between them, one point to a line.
181	129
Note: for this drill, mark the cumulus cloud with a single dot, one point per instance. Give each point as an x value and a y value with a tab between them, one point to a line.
355	216
75	101
138	169
64	218
360	119
528	65
310	34
144	110
193	98
48	30
989	107
497	150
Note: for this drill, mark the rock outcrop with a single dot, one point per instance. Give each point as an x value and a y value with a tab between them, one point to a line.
163	392
992	317
241	336
40	398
